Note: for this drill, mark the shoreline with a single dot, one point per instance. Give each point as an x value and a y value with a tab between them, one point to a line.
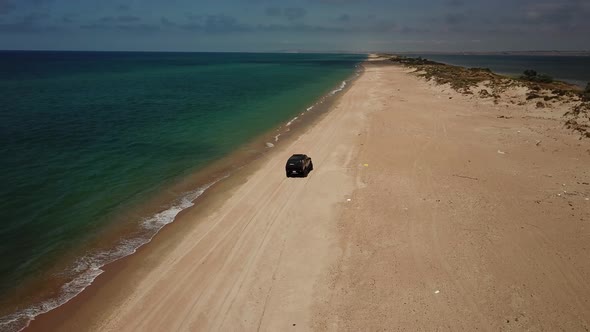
463	202
205	181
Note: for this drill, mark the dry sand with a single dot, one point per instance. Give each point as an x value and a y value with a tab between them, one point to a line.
425	212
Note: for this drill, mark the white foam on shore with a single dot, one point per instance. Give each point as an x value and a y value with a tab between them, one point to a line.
340	88
87	268
292	120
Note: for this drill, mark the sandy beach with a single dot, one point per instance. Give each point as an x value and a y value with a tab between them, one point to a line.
427	210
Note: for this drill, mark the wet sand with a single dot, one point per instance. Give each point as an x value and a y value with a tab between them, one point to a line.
426	211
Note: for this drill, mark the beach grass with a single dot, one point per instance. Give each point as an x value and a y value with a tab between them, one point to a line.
540	88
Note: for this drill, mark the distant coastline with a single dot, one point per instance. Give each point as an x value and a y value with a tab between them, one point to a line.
306	51
567	67
513	53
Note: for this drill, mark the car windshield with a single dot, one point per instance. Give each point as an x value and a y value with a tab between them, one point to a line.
295	160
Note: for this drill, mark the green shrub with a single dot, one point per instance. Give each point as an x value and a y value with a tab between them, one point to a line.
586	93
419	61
487	70
530	73
544	78
533	76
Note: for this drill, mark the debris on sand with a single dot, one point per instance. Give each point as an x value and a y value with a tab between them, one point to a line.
465	177
484	94
578	119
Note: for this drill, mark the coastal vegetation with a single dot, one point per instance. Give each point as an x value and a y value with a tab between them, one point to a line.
533	76
578	118
419	61
459	78
462	79
541	89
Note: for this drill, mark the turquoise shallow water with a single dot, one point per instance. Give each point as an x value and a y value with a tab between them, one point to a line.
85	135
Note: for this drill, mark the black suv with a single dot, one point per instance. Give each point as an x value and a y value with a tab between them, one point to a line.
298	164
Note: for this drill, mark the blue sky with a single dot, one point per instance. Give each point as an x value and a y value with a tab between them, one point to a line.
313	25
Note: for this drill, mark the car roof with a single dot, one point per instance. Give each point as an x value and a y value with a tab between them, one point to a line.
298	156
